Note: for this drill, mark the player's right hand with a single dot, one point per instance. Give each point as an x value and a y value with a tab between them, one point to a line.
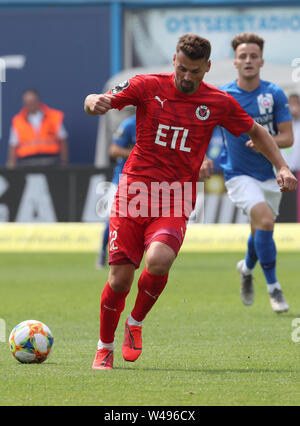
286	180
98	104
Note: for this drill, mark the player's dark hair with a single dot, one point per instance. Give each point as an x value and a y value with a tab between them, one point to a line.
193	46
247	38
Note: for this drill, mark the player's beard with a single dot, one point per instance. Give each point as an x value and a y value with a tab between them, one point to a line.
187	88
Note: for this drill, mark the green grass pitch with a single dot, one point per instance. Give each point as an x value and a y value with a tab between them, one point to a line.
201	345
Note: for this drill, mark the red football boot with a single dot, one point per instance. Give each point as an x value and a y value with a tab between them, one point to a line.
104	360
132	344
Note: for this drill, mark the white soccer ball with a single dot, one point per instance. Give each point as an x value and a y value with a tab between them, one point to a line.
31	342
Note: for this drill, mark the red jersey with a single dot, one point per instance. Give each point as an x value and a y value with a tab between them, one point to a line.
173	129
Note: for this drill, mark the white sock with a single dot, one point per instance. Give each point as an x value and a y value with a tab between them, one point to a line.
109	346
245	270
132	321
271	287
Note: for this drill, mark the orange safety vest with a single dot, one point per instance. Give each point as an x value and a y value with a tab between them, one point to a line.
41	141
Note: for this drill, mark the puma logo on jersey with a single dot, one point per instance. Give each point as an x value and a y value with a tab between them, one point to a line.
160	101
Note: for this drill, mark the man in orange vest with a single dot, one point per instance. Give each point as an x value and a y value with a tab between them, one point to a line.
37	135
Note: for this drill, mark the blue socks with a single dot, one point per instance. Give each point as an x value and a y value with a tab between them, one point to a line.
251	256
262	247
105	237
265	250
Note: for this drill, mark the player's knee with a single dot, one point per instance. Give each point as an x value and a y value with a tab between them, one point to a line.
119	285
120	281
158	268
266	224
159	263
262	217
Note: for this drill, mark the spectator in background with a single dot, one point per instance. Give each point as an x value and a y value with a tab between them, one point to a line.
37	136
292	154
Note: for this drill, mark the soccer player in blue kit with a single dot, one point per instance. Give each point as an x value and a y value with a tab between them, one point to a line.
123	141
249	176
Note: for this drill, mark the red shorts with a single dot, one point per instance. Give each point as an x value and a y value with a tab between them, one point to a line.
129	238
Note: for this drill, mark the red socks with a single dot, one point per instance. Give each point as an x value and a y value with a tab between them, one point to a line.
149	288
112	305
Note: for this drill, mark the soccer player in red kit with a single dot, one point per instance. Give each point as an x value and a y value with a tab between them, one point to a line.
176	114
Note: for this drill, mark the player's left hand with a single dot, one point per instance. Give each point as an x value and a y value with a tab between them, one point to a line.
206	169
286	180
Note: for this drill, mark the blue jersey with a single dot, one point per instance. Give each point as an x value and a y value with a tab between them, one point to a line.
215	148
268	106
125	136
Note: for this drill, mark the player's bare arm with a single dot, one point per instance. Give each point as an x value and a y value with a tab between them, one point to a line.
284	139
116	151
265	144
206	169
98	104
